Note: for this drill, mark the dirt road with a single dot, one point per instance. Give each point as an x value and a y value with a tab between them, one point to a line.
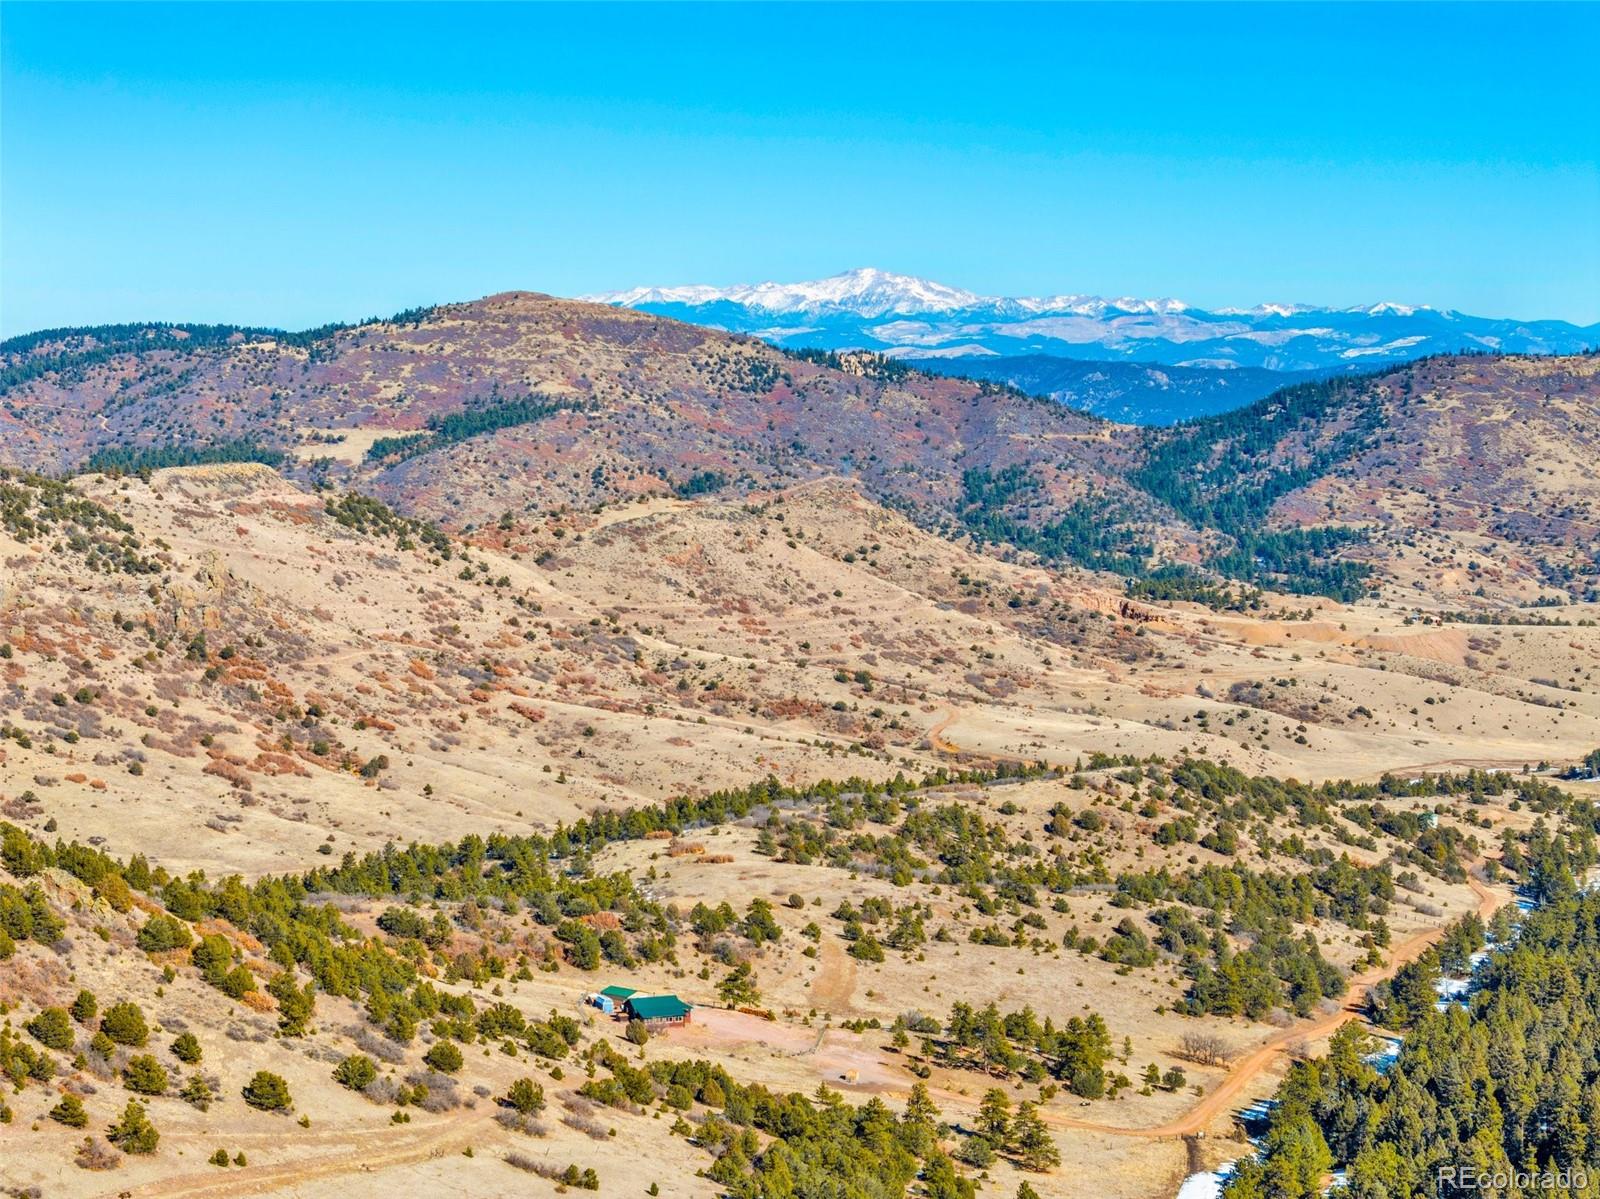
835	984
1198	1118
378	1149
936	734
1245	1069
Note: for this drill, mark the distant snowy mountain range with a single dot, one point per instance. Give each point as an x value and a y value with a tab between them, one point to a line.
918	318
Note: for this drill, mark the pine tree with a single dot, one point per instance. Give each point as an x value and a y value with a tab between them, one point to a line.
1031	1140
994	1118
70	1112
134	1133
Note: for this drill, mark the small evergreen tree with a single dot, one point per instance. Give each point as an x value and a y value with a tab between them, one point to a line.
144	1075
133	1132
358	1071
124	1024
526	1096
85	1007
70	1112
267	1092
186	1048
444	1056
52	1028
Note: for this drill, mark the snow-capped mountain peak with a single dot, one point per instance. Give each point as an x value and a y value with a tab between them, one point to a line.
869	291
1391	308
907	316
865	291
1270	310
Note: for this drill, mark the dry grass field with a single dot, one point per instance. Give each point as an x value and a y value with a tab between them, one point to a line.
246	678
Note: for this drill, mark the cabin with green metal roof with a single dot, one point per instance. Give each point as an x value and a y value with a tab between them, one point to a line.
609	999
657	1009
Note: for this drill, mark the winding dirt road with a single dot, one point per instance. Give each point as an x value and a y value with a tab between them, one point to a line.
1198	1118
1245	1069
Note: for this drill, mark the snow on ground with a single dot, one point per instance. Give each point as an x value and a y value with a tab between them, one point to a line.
1207	1185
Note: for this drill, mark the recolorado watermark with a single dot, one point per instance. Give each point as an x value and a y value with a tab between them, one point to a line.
1499	1180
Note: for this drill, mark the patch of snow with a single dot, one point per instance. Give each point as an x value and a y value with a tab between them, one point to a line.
778	332
1207	1185
1278	337
1384	1059
1452	991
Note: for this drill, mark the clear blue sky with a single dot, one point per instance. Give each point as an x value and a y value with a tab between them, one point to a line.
293	165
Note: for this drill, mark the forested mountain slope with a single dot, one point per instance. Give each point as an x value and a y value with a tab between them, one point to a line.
1504	1086
1450	476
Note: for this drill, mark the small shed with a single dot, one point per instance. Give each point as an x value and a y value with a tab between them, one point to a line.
609	999
657	1009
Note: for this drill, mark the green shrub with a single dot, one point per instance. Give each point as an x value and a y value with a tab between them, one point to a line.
526	1096
212	956
70	1112
52	1028
124	1024
444	1056
866	948
295	1004
144	1075
134	1133
187	1049
356	1072
197	1092
161	933
268	1092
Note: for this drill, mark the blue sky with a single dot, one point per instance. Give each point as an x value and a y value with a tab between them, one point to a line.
299	164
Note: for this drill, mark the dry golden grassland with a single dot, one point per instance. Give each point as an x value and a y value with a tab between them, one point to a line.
283	689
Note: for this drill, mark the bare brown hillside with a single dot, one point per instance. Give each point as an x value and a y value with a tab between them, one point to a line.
1466	478
274	668
649	405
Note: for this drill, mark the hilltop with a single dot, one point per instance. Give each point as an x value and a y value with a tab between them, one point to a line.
542	403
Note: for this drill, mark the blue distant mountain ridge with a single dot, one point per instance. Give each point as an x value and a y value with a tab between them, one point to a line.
1154	361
